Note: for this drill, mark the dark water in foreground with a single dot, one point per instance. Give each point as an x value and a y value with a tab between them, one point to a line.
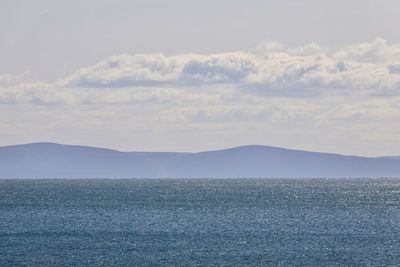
203	222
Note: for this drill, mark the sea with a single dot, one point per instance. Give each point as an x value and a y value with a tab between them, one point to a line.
200	222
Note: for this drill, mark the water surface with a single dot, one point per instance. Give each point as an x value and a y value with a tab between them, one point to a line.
200	222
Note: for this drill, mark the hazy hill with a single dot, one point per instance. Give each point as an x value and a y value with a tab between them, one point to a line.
48	160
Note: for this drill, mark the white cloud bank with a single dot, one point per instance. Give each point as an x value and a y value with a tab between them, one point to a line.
373	65
371	68
349	100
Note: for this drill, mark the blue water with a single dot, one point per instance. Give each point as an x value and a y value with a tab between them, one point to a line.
200	222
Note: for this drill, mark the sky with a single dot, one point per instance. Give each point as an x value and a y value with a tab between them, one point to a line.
198	75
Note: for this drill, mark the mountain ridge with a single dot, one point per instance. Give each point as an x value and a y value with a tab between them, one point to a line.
52	160
191	152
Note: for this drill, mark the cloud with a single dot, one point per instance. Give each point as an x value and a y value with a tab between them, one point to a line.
372	65
376	51
394	67
157	70
220	68
127	70
7	79
270	69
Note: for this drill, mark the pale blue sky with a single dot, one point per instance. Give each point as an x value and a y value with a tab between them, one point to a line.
50	38
197	75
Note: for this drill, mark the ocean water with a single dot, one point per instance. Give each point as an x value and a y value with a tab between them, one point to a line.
200	222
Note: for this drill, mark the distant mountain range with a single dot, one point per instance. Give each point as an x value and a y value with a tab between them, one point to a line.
49	160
